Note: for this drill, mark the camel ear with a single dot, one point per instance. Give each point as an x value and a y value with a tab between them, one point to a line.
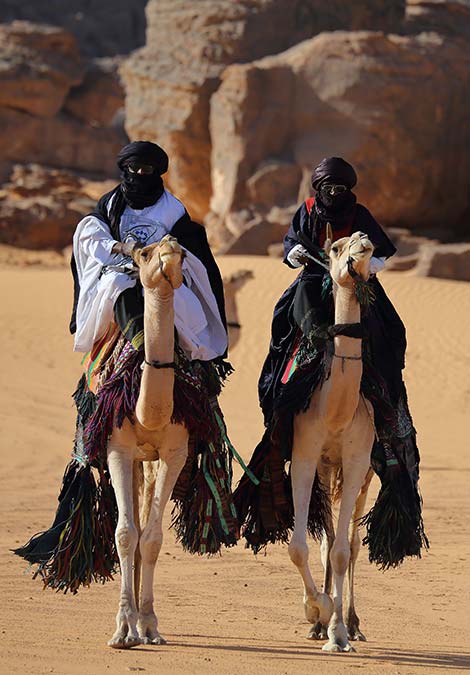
329	239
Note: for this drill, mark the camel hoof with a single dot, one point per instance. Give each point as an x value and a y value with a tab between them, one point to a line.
127	642
357	636
319	610
335	647
318	632
157	640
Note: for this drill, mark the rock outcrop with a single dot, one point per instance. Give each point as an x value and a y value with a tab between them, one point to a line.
394	106
170	81
445	261
56	109
62	113
102	28
40	207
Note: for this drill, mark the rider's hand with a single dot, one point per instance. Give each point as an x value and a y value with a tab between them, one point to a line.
298	256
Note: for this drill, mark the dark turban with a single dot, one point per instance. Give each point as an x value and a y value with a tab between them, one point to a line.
144	152
335	170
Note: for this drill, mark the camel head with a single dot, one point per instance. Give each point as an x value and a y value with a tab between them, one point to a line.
160	264
349	256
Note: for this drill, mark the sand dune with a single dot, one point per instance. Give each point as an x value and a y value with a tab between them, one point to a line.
238	611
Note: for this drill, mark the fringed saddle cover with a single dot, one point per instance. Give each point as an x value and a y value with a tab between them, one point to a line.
79	546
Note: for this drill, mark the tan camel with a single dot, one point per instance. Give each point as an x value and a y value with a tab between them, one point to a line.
232	285
151	438
335	437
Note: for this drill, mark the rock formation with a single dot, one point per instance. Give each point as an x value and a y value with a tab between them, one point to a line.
102	28
60	112
394	106
40	207
170	81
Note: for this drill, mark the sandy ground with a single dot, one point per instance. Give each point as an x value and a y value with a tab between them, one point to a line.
234	613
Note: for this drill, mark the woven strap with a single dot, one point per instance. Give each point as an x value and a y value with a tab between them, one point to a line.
352	330
157	364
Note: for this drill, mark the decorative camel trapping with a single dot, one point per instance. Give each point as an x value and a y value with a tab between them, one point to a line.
153	408
331	420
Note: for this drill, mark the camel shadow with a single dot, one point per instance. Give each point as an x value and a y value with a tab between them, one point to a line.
420	657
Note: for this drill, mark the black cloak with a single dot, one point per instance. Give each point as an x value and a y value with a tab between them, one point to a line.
384	327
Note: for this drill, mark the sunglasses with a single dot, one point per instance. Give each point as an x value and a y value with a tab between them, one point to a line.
333	189
143	169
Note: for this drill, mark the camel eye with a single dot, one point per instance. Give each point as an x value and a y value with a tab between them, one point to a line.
334	249
144	254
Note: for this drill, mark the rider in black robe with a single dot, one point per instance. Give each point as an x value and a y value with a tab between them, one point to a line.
306	308
385	329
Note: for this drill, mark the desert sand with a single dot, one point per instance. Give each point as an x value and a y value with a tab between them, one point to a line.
235	613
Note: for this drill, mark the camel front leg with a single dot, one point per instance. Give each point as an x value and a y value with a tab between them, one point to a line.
170	465
320	630
355	467
317	606
352	621
121	464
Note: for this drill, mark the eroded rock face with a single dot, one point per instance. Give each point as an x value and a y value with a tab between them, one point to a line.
169	83
445	261
99	98
38	66
55	109
394	106
40	207
102	28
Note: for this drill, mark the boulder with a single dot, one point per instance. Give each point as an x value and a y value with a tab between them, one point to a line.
450	18
394	106
38	66
170	81
102	28
60	141
100	97
445	261
40	207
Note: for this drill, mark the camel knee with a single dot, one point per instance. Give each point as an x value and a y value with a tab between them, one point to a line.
355	545
339	556
298	552
150	546
126	539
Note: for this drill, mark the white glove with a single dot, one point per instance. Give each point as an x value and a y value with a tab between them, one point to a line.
298	255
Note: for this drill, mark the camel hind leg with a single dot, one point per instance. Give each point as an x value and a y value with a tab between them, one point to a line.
352	620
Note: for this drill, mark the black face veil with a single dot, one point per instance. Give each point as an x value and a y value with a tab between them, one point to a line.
139	190
334	208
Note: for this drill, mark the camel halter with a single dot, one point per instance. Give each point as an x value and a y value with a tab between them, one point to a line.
157	364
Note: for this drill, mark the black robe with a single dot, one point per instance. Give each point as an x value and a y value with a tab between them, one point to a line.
385	330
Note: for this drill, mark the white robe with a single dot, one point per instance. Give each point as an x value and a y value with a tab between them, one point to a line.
197	319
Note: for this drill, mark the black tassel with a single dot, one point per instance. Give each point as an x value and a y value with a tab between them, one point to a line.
79	546
394	525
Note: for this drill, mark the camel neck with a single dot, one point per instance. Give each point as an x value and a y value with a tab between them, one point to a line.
347	310
159	325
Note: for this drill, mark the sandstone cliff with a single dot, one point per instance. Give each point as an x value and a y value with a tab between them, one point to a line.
169	82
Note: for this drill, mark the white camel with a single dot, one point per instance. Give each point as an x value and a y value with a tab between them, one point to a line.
334	437
232	285
152	437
